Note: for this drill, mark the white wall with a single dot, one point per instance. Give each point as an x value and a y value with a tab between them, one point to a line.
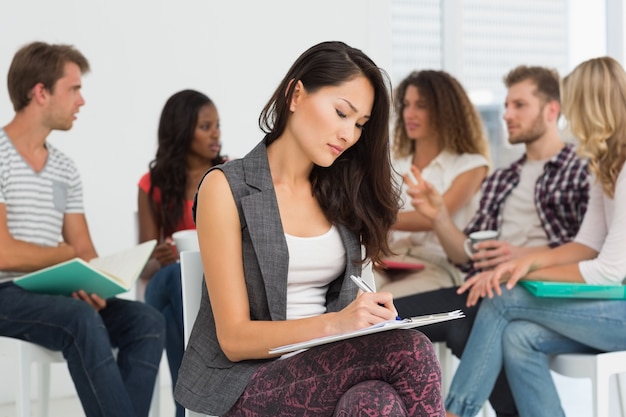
235	51
141	53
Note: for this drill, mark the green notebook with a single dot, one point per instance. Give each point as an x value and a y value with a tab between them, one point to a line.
106	276
574	290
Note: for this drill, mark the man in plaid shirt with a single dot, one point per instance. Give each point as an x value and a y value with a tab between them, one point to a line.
537	201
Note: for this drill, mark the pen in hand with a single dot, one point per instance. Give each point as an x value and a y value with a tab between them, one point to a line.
363	286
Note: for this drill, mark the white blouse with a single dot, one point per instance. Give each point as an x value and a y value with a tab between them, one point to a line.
604	230
441	173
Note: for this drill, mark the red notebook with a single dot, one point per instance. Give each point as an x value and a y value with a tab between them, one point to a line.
405	265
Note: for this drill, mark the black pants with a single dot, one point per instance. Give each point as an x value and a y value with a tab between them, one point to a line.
455	334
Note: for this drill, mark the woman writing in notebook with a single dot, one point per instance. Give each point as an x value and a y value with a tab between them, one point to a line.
520	330
280	233
189	144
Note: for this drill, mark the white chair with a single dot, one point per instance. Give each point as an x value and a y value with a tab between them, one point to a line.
26	354
599	368
448	363
191	278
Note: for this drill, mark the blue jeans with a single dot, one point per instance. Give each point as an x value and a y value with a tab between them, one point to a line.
106	386
520	331
164	292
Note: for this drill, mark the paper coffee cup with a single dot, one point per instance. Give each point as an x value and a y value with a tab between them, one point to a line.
477	237
186	240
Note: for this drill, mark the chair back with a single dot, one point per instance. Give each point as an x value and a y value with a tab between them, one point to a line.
191	279
191	274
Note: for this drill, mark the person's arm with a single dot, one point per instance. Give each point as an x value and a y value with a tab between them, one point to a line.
558	264
427	200
149	229
147	222
21	256
219	236
460	193
76	233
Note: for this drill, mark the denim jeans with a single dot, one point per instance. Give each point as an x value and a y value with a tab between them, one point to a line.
107	386
521	331
164	292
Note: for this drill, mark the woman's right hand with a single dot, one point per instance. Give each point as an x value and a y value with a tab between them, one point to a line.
366	310
424	197
166	253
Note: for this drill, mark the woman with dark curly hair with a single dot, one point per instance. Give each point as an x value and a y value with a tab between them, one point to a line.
188	145
438	130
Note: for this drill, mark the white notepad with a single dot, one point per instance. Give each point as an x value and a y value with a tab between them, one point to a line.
408	323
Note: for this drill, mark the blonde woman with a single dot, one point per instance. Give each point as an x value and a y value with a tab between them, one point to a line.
438	130
518	330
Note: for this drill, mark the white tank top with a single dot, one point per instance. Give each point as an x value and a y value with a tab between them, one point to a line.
314	262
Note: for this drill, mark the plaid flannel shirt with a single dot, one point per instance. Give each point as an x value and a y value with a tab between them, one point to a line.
561	195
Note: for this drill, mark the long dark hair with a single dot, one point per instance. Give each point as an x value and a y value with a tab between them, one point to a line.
168	170
357	190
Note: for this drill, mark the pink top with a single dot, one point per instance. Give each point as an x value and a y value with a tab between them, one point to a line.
187	220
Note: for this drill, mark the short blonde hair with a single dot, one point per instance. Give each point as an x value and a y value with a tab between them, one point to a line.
594	103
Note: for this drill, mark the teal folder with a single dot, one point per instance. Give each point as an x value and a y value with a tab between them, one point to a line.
105	276
574	290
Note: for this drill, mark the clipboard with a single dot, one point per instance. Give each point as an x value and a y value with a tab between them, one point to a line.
407	323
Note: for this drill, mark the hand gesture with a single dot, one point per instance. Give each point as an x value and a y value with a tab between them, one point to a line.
424	197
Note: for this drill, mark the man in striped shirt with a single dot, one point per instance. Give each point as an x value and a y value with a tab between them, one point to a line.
538	201
42	223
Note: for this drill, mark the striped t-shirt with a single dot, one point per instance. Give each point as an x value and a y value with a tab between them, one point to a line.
36	202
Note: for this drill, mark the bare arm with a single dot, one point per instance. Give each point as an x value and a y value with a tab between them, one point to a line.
460	193
21	256
219	236
558	264
149	229
76	233
427	200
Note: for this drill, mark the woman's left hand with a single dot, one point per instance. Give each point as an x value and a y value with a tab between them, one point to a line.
486	283
479	286
166	253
